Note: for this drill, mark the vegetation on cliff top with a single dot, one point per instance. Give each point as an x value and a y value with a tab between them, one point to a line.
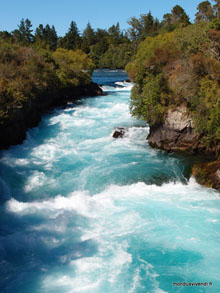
26	73
181	66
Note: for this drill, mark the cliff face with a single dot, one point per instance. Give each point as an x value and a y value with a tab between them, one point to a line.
178	134
208	174
17	120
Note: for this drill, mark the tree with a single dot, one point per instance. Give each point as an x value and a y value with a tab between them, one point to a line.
74	67
101	37
147	23
157	25
205	11
88	38
177	18
101	46
71	40
115	34
46	36
143	27
39	33
50	36
5	35
135	29
24	33
167	21
217	8
178	15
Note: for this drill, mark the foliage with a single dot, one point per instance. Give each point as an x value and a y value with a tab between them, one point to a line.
207	110
193	38
27	73
149	103
116	57
177	18
150	55
142	27
46	37
74	67
180	67
71	40
88	38
217	8
205	12
23	34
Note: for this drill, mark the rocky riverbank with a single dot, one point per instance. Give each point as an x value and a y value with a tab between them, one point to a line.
177	134
17	120
208	174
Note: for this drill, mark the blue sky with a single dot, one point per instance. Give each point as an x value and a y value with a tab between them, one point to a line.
100	13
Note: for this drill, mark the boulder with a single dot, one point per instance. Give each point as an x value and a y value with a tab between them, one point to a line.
119	132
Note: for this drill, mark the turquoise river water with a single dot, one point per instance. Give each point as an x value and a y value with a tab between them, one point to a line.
81	211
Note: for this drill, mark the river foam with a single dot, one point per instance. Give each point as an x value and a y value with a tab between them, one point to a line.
84	212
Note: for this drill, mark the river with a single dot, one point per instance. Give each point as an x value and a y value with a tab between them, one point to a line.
84	212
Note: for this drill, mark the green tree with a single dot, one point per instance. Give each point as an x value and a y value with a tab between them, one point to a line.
205	11
147	103
71	40
143	27
5	35
24	33
217	8
39	33
46	36
177	18
115	35
147	25
88	38
167	22
116	56
74	67
50	37
178	15
135	29
101	46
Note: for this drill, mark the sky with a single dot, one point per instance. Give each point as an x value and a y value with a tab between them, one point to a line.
100	13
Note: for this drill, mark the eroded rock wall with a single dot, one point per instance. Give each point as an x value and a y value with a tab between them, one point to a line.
14	125
177	132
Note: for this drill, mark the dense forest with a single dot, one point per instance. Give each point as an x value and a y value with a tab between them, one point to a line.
107	48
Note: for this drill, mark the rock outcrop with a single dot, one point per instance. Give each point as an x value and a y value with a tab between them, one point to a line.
177	132
208	174
119	132
17	120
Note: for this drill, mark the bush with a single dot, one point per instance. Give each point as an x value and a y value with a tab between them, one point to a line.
74	67
182	67
27	73
207	112
149	103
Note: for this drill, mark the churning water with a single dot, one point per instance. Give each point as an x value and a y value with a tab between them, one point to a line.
84	212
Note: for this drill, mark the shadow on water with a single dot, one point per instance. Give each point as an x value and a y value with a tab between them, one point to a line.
187	161
30	247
